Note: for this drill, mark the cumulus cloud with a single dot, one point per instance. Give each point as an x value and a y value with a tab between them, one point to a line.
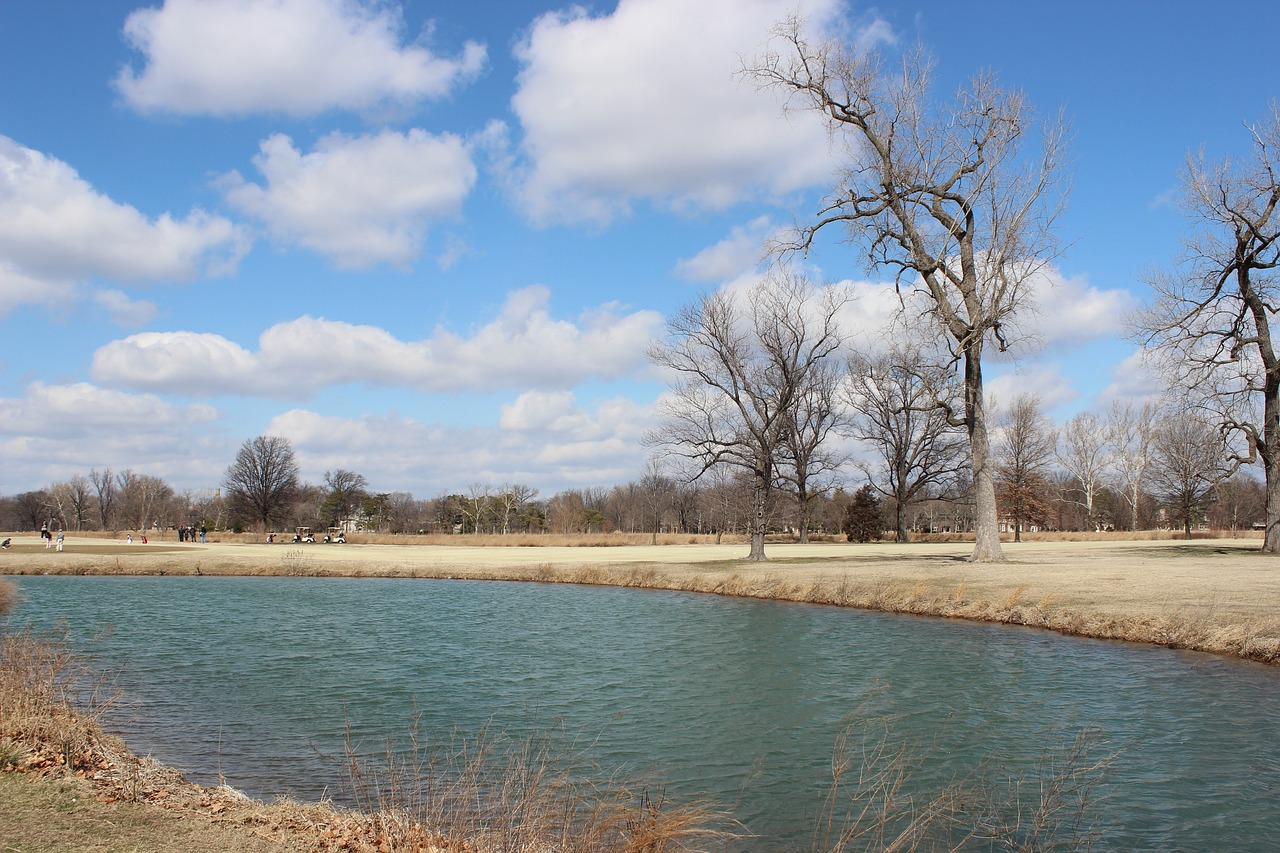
1043	379
300	57
1136	379
359	200
733	256
576	446
646	103
124	310
85	411
56	229
55	431
523	347
1072	311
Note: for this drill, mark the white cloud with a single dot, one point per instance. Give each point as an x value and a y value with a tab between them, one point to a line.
1045	380
300	57
578	447
524	347
1072	311
124	310
18	288
55	228
736	254
1135	380
359	200
646	103
53	432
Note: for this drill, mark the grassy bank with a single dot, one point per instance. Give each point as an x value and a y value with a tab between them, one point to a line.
1214	595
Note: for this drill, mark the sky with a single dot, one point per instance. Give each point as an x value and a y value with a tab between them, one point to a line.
429	241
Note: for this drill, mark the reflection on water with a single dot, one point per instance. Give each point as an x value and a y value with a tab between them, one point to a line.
255	679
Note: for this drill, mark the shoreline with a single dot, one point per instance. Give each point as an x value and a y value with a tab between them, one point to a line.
1220	596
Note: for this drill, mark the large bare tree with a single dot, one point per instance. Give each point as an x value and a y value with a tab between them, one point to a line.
741	363
916	452
1212	313
948	196
262	483
1188	460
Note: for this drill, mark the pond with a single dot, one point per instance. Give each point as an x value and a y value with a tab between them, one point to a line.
256	681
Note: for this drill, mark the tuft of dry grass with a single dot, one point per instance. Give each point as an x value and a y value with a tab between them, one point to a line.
8	596
497	793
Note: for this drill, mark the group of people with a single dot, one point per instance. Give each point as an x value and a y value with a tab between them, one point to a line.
188	533
47	535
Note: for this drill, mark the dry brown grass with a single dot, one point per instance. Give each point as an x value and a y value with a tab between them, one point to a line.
493	792
8	596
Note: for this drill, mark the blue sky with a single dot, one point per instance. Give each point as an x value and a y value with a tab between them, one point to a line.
429	241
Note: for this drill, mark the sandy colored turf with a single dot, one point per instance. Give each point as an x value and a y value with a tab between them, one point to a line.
1219	595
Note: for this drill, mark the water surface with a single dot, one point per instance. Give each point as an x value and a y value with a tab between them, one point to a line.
255	679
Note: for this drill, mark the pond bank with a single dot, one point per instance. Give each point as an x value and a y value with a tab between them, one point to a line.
1220	596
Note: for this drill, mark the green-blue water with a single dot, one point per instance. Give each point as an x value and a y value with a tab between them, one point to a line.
253	678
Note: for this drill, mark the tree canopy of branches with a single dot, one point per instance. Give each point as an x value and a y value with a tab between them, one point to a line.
1187	462
1085	454
262	483
741	364
944	195
1026	448
809	464
1211	316
894	399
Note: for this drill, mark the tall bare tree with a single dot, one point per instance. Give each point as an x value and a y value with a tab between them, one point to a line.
1130	433
1085	454
809	459
1189	458
1026	449
104	490
917	453
740	365
945	195
262	483
1212	313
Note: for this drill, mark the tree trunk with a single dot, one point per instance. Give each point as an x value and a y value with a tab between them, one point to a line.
757	523
986	546
901	518
1271	459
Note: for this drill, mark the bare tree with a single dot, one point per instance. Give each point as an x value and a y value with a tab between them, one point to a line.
104	488
141	497
510	502
1026	449
477	506
809	462
1211	316
1085	453
917	453
740	365
1188	460
944	195
71	500
262	483
1130	433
